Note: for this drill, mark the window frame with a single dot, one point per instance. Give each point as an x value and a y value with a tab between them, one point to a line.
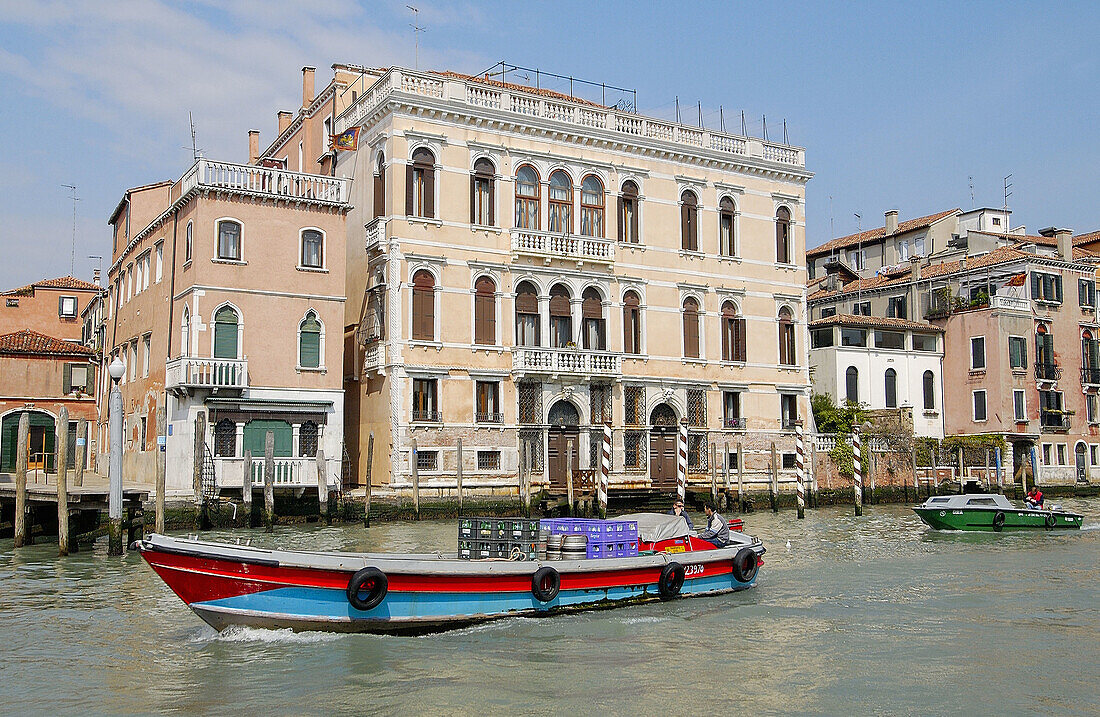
214	333
424	299
783	235
527	288
322	254
727	211
788	341
629	227
1019	416
526	203
61	300
691	331
689	221
483	187
595	214
421	184
239	259
485	299
559	212
973	358
928	390
733	329
300	366
890	386
974	405
188	242
1020	341
851	381
487	405
632	323
425	393
1086	299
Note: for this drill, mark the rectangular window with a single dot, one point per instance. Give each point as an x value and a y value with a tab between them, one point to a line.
160	262
480	198
925	342
731	410
1019	405
889	339
530	402
977	353
1050	410
79	378
1086	293
788	461
187	242
979	405
634	450
66	307
697	407
788	410
731	460
488	460
1046	454
1017	352
1094	453
133	361
145	350
856	259
1061	454
599	403
312	249
634	405
1046	287
1090	407
828	311
853	337
821	338
424	400
918	247
427	460
229	241
146	271
488	402
897	307
144	432
862	308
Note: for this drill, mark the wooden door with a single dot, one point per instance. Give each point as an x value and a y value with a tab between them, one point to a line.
557	457
662	458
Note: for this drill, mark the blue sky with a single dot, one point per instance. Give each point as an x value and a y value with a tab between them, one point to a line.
898	105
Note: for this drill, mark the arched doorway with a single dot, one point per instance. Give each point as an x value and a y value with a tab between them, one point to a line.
1081	462
662	446
40	452
564	431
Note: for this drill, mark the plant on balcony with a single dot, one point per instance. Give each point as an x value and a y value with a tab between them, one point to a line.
571	345
980	301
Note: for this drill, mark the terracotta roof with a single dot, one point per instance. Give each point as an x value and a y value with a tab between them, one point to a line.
1086	238
509	86
61	282
880	233
32	342
882	322
871	282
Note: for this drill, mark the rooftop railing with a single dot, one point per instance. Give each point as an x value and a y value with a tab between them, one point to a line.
252	179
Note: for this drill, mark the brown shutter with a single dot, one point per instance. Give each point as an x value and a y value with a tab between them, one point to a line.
423	305
485	329
473	198
429	192
379	191
634	219
691	331
628	330
527	302
740	352
409	177
619	211
685	226
492	201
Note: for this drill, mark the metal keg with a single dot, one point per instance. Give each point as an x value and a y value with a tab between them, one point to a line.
544	536
553	546
574	547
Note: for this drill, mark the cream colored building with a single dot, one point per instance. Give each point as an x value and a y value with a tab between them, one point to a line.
524	267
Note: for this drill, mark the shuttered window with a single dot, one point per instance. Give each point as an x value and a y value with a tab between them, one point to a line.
485	311
483	194
733	333
787	354
691	328
689	221
561	318
632	323
423	306
595	337
527	198
527	315
561	203
628	213
726	241
592	204
891	387
420	190
380	187
309	342
225	333
783	236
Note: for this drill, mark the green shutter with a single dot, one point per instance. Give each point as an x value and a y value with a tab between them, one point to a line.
309	347
225	334
68	380
255	436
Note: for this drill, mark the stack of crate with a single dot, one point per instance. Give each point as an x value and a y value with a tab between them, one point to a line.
507	538
606	538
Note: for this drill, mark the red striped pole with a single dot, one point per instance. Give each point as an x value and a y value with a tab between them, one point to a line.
800	471
681	461
605	470
857	470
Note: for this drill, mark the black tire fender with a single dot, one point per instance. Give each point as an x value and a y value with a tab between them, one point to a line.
375	583
1051	521
545	584
998	521
745	565
671	580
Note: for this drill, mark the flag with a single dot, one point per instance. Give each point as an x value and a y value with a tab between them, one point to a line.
349	140
1017	280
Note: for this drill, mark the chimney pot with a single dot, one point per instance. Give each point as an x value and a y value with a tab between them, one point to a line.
253	145
891	221
307	86
284	120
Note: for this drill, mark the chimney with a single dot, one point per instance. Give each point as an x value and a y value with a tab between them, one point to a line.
891	221
831	282
95	275
307	86
284	121
253	145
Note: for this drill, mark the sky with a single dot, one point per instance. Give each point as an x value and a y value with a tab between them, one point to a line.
918	107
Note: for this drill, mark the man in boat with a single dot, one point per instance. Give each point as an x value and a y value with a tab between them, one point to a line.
678	509
717	532
1034	499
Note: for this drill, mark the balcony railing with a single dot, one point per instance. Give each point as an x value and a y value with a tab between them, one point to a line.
1090	375
1047	371
563	246
483	417
374	357
1011	303
376	234
737	424
251	179
1053	421
288	472
489	99
427	416
212	373
566	361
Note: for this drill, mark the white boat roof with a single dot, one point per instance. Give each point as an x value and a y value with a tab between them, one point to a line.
970	500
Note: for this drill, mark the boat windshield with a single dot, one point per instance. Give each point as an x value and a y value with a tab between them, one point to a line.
981	501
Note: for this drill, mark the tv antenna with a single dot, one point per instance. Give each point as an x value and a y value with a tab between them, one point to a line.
971	180
416	34
1008	194
72	254
196	153
98	265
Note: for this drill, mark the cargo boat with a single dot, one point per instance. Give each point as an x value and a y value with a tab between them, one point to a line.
991	512
226	584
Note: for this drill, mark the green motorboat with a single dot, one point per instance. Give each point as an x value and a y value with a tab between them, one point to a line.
991	512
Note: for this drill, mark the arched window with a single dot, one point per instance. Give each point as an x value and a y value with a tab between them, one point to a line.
185	332
787	354
561	203
313	248
420	194
485	311
891	388
423	306
307	439
632	323
225	438
595	335
226	325
726	240
1090	358
229	240
783	236
691	327
527	198
851	385
733	333
628	213
592	203
561	318
483	194
929	384
309	341
1044	354
689	221
527	315
380	186
188	242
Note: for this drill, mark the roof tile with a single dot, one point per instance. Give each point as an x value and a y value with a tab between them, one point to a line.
880	233
32	342
882	322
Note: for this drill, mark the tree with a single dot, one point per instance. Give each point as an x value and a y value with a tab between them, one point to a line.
831	418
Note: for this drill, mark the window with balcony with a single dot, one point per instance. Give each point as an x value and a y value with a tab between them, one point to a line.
1090	358
485	311
689	221
979	405
483	194
185	332
229	240
527	315
731	410
1045	367
1019	405
594	325
226	333
66	307
632	323
592	207
783	236
1046	287
891	388
727	241
420	178
788	356
225	438
928	384
527	198
628	213
423	306
561	317
691	327
733	333
1086	293
188	242
853	337
488	402
851	385
977	353
424	406
788	410
380	186
560	190
309	341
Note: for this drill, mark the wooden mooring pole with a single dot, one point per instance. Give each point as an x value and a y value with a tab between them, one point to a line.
22	446
246	488
569	474
740	477
726	470
81	451
269	482
774	490
370	466
161	467
62	433
322	486
415	480
458	473
200	445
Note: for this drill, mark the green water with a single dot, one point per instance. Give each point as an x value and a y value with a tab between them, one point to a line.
869	615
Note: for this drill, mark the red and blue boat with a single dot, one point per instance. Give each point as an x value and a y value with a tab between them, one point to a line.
226	584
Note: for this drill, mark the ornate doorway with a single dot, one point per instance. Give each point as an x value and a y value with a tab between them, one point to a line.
564	431
662	447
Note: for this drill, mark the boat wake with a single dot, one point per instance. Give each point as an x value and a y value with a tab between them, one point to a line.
241	633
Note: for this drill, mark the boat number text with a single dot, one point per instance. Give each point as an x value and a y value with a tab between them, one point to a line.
690	570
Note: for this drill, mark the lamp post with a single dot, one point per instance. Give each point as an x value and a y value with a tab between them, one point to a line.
114	473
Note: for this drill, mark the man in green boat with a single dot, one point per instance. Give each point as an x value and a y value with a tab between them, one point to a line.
1034	498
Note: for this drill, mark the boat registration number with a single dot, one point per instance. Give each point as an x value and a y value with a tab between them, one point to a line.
956	512
690	570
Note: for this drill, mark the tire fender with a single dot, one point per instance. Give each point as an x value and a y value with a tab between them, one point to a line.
545	584
998	521
671	580
745	565
374	582
1050	522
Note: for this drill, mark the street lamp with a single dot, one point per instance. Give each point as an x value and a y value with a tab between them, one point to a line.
114	473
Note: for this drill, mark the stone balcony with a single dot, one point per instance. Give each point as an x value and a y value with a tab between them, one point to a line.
571	247
188	373
566	362
208	175
375	235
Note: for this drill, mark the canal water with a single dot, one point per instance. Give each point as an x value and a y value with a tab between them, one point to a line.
860	615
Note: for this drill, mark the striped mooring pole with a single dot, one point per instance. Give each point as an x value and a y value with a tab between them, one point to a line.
857	470
800	470
681	462
605	470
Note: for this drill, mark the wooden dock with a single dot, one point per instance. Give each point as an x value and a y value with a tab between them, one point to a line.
85	502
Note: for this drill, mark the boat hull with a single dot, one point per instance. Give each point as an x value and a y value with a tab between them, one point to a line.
227	586
982	519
